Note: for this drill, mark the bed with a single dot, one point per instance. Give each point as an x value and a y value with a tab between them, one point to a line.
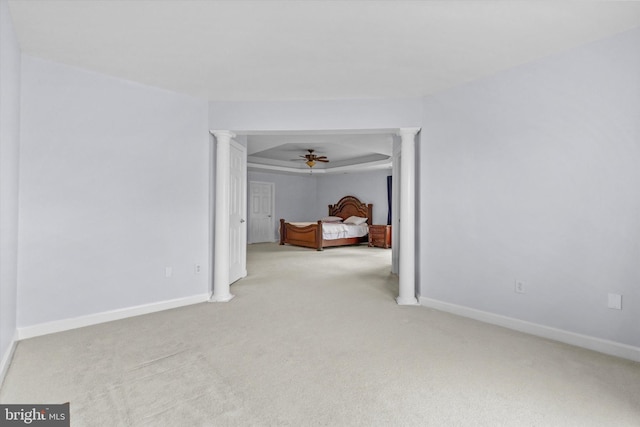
319	235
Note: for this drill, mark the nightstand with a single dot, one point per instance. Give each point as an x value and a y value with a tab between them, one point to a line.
380	236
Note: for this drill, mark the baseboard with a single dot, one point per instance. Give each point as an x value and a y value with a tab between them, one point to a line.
106	316
585	341
7	356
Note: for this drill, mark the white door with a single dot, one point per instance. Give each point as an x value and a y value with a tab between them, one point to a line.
237	212
261	201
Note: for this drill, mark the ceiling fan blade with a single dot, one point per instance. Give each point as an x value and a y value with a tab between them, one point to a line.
313	157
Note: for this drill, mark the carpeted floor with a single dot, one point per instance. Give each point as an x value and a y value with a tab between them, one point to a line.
315	338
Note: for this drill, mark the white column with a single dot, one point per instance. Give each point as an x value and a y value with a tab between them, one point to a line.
221	224
407	285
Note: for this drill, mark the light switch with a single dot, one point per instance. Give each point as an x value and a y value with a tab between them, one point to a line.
615	301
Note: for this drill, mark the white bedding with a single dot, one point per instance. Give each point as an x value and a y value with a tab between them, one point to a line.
332	231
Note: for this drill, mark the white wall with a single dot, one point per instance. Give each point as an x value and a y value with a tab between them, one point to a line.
533	175
9	143
306	197
295	197
114	188
316	115
369	187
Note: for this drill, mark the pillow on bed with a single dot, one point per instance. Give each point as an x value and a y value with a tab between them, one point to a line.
331	219
355	220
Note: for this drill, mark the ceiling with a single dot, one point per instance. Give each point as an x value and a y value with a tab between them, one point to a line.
291	50
346	151
313	50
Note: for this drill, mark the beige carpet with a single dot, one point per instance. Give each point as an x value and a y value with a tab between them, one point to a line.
315	338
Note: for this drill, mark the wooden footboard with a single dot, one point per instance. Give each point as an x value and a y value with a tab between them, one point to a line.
308	237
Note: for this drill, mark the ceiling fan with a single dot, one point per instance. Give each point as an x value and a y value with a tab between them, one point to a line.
311	158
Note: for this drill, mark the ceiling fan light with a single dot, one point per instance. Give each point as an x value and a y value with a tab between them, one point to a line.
310	163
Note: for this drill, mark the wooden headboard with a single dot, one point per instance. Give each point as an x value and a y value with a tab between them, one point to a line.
351	206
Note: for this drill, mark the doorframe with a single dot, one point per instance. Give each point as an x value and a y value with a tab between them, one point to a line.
273	203
406	215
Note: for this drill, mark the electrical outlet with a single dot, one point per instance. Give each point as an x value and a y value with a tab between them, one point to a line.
519	287
197	268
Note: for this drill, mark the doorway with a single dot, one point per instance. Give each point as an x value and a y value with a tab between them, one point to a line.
405	214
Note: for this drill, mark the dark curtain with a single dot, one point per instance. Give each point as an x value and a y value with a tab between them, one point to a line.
389	200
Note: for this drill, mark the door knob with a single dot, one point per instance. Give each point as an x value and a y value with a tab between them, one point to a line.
241	221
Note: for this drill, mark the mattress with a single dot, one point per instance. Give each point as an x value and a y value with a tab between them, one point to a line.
332	231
